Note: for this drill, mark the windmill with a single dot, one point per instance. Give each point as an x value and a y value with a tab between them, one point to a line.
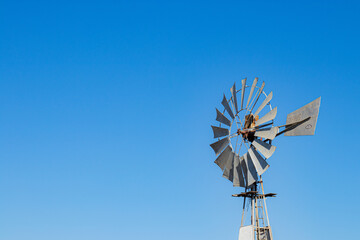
244	144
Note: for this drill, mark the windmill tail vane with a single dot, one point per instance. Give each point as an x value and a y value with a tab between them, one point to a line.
244	133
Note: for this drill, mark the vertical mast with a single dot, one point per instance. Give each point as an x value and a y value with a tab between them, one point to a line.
259	219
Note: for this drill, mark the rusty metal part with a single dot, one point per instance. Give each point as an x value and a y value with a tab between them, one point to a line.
249	120
247	134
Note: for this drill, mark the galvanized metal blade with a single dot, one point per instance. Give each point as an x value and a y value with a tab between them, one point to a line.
220	132
229	170
221	118
224	157
260	163
267	117
243	84
244	170
251	91
226	105
308	127
267	133
267	150
238	179
249	170
259	94
220	145
234	99
263	104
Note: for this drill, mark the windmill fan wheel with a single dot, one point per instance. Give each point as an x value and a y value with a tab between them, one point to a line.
244	133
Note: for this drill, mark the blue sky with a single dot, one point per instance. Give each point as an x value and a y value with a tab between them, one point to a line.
106	107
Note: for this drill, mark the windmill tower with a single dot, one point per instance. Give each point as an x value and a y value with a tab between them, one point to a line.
244	144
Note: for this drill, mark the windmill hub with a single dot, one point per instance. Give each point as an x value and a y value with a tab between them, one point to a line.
243	147
248	135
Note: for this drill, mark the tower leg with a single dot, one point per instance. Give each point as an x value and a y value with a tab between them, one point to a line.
259	227
243	211
264	231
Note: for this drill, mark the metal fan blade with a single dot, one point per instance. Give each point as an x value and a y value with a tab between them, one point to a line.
220	145
260	163
224	157
234	99
226	105
251	91
257	98
263	104
244	170
229	170
309	110
267	133
264	148
221	118
243	84
267	117
220	132
238	179
249	170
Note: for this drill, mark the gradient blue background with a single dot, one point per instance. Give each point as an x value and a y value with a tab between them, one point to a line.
106	107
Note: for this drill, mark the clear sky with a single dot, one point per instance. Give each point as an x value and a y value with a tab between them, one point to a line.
106	107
